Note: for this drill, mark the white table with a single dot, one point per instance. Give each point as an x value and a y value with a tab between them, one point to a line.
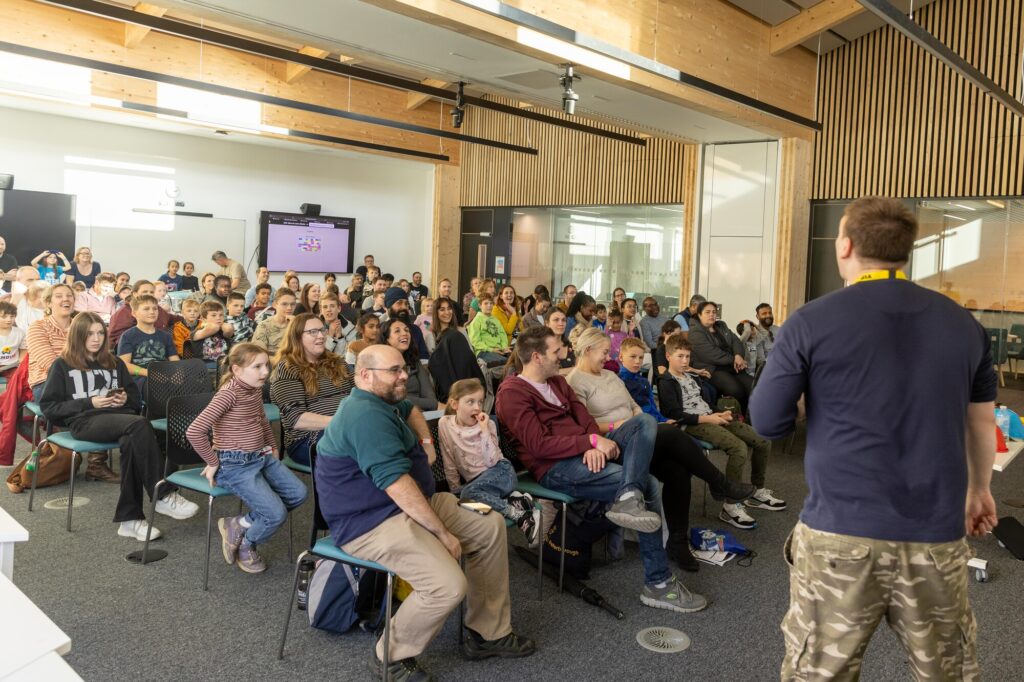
27	636
50	667
1003	459
10	532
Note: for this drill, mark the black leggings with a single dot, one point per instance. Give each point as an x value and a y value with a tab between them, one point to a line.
141	459
676	457
728	382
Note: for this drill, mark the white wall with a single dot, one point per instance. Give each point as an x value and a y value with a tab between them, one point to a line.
391	199
738	225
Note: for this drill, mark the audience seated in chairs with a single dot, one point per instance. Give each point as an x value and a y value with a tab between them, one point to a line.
173	280
211	338
181	333
419	386
453	358
271	330
83	268
340	332
368	329
534	317
554	319
307	384
530	301
651	323
397	303
262	277
206	287
717	349
47	336
444	290
13	340
562	446
24	276
123	318
379	286
242	326
676	455
486	335
189	282
89	391
660	360
243	458
506	311
579	316
261	299
376	491
681	400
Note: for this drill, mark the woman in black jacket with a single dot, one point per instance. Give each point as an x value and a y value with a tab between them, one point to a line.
90	391
718	350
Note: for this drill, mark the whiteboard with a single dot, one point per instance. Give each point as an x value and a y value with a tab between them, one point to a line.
143	253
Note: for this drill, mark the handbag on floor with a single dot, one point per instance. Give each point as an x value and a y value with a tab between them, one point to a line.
53	463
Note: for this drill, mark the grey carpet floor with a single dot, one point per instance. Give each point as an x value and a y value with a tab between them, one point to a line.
130	622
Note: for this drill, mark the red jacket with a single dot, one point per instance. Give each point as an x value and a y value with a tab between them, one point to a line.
543	433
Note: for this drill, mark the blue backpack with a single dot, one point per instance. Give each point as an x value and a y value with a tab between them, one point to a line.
333	593
721	541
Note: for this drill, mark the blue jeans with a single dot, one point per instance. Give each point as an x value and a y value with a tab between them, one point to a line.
492	486
635	438
491	357
268	487
299	450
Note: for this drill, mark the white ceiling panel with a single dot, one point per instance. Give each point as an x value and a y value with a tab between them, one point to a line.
828	43
771	12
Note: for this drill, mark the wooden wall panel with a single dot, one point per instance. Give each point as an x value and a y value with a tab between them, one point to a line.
794	218
572	168
447	233
896	121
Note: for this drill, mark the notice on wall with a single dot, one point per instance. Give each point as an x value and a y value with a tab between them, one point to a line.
499	265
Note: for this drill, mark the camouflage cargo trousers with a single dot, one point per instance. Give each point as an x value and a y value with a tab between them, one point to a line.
842	586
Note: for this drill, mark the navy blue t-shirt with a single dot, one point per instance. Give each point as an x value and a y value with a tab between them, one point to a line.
888	369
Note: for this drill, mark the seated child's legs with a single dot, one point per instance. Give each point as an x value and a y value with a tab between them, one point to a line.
761	447
492	487
723	439
242	474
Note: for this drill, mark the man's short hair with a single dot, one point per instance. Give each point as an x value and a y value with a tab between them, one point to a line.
697	298
632	342
218	254
138	301
533	340
139	284
417	273
762	306
208	306
106	277
265	286
880	229
8	308
235	296
676	342
600	307
388	277
282	292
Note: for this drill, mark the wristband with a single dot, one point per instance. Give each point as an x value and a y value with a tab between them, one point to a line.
135	372
611	426
593	440
426	441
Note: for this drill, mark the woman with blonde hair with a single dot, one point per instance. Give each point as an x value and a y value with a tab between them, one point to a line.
46	337
307	384
83	268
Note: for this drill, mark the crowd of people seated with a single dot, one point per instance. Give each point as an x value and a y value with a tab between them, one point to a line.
599	401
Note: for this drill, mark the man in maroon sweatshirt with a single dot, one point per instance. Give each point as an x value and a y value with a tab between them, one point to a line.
561	445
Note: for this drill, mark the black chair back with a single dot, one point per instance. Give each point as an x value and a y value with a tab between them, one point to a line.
437	468
319	522
171	379
181	412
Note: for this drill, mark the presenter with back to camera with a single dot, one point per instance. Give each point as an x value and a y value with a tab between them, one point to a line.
900	395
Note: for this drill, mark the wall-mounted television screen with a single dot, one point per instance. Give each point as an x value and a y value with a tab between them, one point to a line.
293	241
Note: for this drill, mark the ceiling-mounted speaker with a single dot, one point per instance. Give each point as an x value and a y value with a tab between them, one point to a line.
6	181
310	209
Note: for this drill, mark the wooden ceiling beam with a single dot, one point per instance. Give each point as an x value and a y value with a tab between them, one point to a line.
134	33
811	22
417	99
293	71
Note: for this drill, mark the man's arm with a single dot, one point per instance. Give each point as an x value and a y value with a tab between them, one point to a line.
407	495
773	406
419	426
980	513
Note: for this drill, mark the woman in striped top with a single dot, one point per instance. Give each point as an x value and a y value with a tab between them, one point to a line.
244	459
46	337
308	384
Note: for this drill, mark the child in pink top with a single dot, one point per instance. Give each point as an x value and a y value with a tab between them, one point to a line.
243	458
470	452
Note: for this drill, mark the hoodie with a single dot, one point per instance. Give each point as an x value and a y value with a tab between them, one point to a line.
68	393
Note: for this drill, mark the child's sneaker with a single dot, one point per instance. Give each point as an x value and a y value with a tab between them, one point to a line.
764	498
249	560
736	515
231	533
528	518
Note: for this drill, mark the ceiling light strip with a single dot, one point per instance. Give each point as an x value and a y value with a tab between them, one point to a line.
252	96
327	65
302	134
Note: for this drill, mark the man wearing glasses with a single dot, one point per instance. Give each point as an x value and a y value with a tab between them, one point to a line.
376	491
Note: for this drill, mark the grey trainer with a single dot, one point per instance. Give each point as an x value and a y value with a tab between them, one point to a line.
633	513
231	534
672	597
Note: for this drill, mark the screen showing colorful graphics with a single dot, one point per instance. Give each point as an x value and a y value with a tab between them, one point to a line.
306	243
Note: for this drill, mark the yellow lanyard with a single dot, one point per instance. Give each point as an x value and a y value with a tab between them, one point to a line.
880	274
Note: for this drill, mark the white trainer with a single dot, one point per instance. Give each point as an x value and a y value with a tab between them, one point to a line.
137	529
764	498
736	515
176	506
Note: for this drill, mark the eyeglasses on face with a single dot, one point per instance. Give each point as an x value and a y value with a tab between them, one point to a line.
318	331
397	370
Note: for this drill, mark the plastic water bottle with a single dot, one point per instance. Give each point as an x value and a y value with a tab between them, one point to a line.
1003	420
305	571
33	461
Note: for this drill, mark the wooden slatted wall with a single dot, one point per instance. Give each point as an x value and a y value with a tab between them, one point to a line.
572	168
898	122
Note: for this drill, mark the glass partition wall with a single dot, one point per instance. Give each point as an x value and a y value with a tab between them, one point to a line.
973	252
599	248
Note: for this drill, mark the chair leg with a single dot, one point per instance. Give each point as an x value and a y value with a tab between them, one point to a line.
209	534
71	489
152	516
561	556
540	569
1002	380
35	432
290	549
35	475
387	625
291	605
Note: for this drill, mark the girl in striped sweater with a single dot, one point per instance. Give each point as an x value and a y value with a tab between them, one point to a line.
243	458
